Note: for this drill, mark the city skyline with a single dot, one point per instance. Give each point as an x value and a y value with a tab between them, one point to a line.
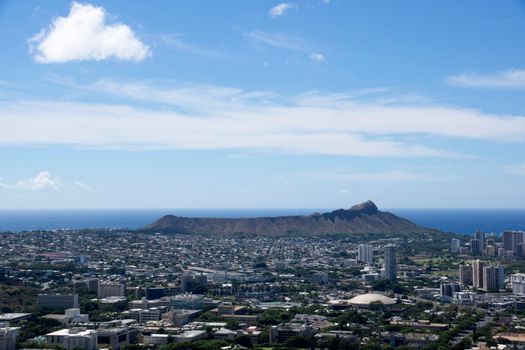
299	104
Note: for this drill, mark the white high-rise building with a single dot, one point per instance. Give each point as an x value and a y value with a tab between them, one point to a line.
455	244
390	263
517	281
477	273
365	253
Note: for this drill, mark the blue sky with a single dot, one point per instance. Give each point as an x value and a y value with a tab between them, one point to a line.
262	104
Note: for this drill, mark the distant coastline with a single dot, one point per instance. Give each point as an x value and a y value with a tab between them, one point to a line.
463	221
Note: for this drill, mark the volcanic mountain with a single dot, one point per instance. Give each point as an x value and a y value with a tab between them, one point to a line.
361	218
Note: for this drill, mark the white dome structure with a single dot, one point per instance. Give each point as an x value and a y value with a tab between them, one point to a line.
364	300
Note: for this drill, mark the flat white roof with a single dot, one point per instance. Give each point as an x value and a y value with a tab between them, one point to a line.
13	316
190	334
65	332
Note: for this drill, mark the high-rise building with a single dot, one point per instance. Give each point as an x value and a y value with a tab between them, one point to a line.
365	253
111	289
390	263
519	250
475	247
493	277
479	235
517	281
517	240
501	277
465	274
201	279
186	282
92	284
447	289
154	293
455	244
477	274
507	240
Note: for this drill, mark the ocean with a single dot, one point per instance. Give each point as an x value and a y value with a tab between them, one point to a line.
464	221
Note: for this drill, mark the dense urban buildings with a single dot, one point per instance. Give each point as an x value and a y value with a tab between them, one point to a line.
154	290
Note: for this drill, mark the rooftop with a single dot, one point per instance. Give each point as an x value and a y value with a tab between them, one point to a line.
368	298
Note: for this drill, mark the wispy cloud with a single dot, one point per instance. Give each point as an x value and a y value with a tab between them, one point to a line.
85	35
83	186
389	176
284	41
2	184
178	42
512	79
280	40
281	9
186	96
44	180
224	118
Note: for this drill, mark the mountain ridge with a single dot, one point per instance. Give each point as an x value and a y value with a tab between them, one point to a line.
361	218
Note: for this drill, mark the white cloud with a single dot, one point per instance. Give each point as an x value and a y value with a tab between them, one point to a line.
187	96
44	180
344	191
178	42
281	9
85	35
280	40
223	118
317	57
389	176
83	186
2	184
512	78
518	169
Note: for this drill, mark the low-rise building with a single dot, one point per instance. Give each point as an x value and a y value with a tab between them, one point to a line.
14	317
188	301
70	316
319	278
155	339
189	336
57	301
8	337
285	331
115	338
143	316
181	317
73	338
111	289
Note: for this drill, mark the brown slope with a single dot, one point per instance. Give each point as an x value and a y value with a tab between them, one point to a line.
361	218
